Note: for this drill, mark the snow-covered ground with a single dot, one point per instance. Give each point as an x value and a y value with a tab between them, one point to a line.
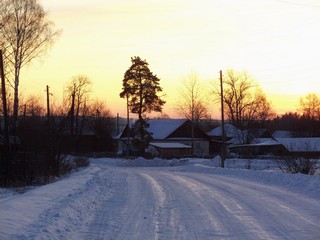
161	199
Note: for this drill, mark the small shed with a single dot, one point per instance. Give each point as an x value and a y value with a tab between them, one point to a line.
263	148
171	149
301	147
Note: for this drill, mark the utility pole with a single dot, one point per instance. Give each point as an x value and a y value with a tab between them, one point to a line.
48	109
117	124
223	152
128	130
73	96
49	156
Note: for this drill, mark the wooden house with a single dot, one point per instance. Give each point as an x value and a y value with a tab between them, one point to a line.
290	147
302	147
267	147
170	138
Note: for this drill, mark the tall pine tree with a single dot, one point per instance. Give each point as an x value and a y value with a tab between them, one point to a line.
141	87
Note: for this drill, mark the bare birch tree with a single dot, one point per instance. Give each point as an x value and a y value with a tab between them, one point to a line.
192	102
25	34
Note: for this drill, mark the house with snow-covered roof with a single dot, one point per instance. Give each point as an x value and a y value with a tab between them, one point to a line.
234	136
296	147
262	146
170	138
301	147
230	132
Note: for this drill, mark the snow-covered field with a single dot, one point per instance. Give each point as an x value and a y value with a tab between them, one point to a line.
161	199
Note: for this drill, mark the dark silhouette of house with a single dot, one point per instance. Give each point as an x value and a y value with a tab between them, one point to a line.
293	147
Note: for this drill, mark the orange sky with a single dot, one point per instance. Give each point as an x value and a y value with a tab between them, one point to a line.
276	41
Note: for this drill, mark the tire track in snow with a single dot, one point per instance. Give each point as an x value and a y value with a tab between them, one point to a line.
160	199
202	206
265	215
223	206
278	205
195	218
166	218
125	213
108	217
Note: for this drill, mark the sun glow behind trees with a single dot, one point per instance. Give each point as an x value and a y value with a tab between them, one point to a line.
275	41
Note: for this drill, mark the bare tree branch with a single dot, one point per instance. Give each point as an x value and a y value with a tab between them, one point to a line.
244	100
25	34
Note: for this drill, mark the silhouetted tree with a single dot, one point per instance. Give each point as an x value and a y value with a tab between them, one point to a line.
310	106
103	125
141	87
287	122
25	33
77	92
32	107
244	101
193	103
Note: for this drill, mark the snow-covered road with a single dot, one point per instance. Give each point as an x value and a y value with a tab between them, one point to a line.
111	202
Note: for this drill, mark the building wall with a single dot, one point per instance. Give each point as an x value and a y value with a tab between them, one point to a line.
201	147
174	152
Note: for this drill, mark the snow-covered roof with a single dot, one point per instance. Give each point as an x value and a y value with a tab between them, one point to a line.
230	131
291	144
162	128
169	145
262	140
301	144
265	142
270	142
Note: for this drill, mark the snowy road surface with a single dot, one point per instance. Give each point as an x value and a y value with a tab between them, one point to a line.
112	202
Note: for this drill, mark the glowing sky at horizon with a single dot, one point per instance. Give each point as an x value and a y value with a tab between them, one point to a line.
276	41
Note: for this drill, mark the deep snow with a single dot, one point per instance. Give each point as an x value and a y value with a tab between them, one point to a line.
161	199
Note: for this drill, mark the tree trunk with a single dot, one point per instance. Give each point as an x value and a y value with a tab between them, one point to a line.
15	105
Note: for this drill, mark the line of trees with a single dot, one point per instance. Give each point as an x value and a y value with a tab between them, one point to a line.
39	136
245	103
79	124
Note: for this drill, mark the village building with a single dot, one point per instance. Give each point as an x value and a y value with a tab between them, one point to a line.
170	138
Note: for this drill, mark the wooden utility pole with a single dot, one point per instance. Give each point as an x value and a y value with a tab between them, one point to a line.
128	130
223	150
117	124
72	113
48	109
